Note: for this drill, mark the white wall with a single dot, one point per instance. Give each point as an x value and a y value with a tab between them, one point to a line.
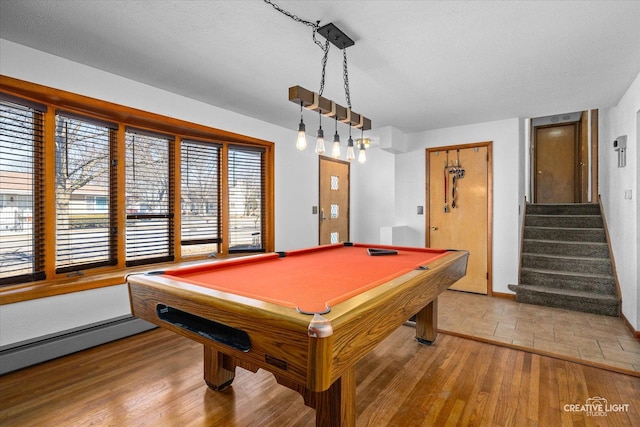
621	213
296	179
372	200
508	188
43	316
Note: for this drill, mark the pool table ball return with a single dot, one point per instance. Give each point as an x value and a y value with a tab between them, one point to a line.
307	316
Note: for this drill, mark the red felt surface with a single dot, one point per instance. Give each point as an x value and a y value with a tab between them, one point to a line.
308	279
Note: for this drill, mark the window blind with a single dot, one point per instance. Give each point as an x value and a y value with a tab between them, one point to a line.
200	197
246	177
21	190
149	199
85	221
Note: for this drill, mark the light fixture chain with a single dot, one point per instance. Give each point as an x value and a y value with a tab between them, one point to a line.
324	66
292	16
347	94
315	26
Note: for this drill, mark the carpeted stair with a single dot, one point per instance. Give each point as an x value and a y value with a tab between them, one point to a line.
565	260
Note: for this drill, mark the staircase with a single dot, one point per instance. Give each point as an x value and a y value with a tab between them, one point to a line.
565	260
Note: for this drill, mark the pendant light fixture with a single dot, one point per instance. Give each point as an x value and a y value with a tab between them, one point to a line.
316	102
351	154
320	139
301	142
362	155
335	148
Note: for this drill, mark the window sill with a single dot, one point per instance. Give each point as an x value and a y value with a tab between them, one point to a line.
48	288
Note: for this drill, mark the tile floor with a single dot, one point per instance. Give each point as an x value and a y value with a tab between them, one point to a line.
602	341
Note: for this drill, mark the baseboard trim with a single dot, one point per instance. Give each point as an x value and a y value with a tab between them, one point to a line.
504	295
635	333
31	352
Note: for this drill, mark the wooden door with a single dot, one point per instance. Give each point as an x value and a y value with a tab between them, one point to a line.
556	164
461	220
334	201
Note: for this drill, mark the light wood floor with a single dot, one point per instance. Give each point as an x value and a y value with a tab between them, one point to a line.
155	379
602	341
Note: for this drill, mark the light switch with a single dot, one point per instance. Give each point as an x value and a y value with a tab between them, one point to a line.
627	194
420	210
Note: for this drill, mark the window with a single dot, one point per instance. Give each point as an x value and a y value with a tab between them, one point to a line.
21	192
246	199
84	234
200	197
89	188
149	198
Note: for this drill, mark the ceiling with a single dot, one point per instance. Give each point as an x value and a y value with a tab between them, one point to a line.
415	65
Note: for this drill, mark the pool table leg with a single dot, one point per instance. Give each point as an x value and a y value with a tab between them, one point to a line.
427	323
219	369
336	406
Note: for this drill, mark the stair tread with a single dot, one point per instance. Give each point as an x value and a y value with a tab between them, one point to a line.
570	257
566	215
568	273
571	242
571	292
561	204
563	228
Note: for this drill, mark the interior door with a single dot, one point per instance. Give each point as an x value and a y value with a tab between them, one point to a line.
459	209
334	201
556	164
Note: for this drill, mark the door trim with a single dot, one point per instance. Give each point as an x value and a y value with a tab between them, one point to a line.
587	152
489	145
593	118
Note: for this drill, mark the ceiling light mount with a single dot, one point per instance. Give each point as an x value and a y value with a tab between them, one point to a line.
336	36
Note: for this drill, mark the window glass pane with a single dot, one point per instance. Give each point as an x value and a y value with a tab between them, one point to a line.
335	182
20	245
83	233
246	199
200	197
148	204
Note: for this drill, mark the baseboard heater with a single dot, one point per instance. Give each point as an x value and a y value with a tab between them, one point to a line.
27	353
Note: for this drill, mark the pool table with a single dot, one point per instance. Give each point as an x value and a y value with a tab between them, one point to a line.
307	315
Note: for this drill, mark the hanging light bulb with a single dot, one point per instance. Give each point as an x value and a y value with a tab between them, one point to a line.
335	149
351	154
362	155
301	142
320	140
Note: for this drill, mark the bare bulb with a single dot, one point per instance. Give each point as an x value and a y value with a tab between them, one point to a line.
320	142
351	153
362	156
301	142
335	148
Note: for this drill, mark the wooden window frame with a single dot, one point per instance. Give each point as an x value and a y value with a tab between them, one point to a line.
55	99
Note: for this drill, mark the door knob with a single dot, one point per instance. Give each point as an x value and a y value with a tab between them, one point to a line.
539	172
434	228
